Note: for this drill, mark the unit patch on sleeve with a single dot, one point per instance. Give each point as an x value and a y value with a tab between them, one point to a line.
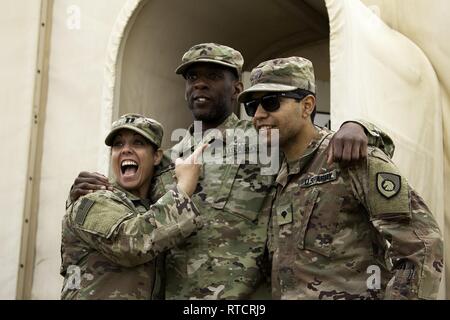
388	184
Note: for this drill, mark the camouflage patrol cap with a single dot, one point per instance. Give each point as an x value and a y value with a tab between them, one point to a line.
281	75
150	129
212	53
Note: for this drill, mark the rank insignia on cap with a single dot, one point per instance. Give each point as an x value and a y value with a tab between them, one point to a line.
388	184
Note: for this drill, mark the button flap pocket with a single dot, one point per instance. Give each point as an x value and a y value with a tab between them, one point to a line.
220	181
306	212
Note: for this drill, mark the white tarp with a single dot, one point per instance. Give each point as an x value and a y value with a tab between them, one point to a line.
380	75
426	23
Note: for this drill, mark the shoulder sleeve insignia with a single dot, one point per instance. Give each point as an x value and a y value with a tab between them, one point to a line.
388	184
388	192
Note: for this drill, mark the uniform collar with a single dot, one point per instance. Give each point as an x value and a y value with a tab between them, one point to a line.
229	122
190	141
296	166
131	197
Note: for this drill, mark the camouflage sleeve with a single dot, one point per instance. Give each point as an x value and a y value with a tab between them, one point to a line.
407	232
127	239
69	202
377	138
163	178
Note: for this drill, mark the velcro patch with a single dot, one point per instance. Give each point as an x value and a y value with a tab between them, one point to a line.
85	205
103	216
319	179
388	184
284	214
388	191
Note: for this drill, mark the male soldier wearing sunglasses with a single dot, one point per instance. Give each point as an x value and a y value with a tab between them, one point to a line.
224	260
338	232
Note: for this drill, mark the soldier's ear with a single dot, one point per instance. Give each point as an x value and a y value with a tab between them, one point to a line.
309	104
157	157
238	87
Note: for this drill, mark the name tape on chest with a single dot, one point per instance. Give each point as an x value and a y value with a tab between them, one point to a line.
319	179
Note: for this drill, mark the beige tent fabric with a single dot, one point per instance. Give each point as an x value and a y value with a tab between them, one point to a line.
380	75
19	37
412	18
72	129
112	74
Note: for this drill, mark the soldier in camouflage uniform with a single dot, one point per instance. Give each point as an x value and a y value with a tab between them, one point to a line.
338	232
224	260
111	240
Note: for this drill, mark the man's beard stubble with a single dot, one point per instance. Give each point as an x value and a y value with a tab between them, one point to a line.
216	113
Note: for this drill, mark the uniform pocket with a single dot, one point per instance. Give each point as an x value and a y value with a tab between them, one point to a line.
248	190
315	232
221	185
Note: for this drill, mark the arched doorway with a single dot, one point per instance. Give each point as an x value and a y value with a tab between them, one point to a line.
154	34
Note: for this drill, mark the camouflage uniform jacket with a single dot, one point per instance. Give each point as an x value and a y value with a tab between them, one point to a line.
358	232
111	241
222	261
226	259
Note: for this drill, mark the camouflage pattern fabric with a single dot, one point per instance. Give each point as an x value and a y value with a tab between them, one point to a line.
149	128
212	53
282	74
332	226
112	241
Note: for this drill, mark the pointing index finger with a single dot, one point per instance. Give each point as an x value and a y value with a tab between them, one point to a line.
198	152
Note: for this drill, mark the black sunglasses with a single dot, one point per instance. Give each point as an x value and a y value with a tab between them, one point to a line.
270	102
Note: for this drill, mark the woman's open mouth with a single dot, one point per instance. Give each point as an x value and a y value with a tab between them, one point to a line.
129	168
